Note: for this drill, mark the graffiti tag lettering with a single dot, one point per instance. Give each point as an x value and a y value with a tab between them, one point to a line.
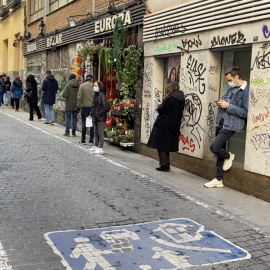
197	70
188	143
233	39
169	30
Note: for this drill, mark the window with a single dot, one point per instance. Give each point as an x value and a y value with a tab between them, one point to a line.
36	9
36	5
56	4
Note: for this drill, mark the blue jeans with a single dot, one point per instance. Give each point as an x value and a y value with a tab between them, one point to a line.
218	147
85	111
70	114
6	98
49	113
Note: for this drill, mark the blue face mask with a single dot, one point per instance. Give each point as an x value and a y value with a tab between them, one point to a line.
232	84
95	88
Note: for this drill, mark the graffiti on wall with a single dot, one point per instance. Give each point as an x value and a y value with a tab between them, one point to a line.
148	73
259	134
196	72
146	117
191	123
169	30
238	38
187	44
210	121
166	47
266	31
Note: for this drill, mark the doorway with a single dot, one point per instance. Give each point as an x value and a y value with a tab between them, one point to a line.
241	58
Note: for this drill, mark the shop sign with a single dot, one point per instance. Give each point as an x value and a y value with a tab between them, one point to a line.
31	47
54	40
108	24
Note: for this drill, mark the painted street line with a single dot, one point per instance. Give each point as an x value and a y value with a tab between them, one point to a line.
161	245
4	259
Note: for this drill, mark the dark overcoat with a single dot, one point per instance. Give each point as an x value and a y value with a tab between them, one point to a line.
32	87
49	88
166	130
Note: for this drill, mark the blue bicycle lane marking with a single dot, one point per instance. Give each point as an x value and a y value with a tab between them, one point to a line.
161	245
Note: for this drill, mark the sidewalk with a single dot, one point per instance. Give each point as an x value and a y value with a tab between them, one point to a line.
224	201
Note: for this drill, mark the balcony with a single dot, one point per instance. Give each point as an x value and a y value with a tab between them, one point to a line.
3	11
13	3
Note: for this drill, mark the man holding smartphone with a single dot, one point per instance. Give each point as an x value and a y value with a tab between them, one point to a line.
231	118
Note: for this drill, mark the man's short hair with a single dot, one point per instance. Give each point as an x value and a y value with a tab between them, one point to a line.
48	72
88	77
233	71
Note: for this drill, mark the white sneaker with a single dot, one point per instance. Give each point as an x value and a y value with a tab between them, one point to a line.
214	183
93	148
228	162
99	151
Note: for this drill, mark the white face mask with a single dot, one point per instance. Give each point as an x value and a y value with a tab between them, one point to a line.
95	88
232	84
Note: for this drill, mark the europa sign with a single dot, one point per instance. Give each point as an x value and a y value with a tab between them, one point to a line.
107	24
31	47
54	40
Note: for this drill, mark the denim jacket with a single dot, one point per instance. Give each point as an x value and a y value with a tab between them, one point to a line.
235	116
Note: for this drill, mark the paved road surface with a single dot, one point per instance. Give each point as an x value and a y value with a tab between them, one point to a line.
63	208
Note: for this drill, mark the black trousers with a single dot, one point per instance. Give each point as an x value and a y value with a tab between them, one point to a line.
17	103
164	158
34	106
218	147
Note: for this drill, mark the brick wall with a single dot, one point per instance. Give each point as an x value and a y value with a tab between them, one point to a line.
59	18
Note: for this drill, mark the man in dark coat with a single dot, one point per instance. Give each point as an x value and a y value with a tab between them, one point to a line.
49	88
166	130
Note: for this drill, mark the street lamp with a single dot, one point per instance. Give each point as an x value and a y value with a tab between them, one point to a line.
15	43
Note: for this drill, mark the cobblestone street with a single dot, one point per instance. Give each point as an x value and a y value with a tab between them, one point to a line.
50	184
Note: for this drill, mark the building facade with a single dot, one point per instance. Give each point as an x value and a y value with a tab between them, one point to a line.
12	22
194	42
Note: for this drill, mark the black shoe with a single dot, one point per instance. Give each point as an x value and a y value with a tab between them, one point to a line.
74	134
163	168
30	119
46	123
66	134
91	141
52	123
82	142
40	117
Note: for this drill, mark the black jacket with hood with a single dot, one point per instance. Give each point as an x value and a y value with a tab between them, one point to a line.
166	130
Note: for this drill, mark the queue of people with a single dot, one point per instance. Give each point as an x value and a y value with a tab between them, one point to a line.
89	100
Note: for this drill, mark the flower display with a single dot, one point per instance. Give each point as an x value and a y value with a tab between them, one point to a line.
77	66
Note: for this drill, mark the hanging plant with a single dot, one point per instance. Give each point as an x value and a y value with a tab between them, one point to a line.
88	49
131	72
106	58
119	34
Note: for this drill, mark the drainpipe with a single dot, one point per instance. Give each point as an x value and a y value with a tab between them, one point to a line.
93	7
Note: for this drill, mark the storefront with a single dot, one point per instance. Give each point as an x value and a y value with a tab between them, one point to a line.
196	48
87	48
